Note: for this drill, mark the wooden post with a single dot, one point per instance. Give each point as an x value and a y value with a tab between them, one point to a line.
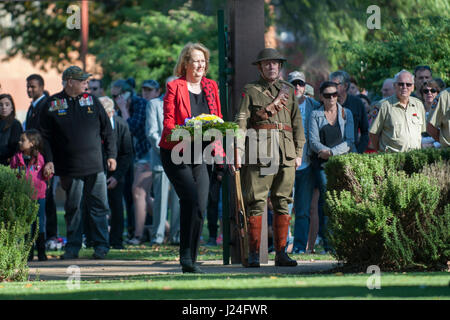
246	22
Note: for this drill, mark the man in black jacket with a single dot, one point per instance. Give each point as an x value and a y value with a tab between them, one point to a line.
35	91
74	124
116	179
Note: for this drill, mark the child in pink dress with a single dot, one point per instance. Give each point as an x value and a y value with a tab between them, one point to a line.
30	163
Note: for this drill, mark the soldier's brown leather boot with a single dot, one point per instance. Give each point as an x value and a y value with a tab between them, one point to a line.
280	232
254	240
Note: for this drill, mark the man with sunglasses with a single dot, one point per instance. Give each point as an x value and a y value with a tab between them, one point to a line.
76	130
95	88
400	122
438	125
304	179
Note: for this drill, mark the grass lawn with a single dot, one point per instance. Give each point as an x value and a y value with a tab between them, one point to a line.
433	286
426	285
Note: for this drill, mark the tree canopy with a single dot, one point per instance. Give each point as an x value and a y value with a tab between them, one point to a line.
139	39
424	41
142	38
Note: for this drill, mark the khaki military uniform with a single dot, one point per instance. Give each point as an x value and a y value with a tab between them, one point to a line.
400	129
440	117
290	136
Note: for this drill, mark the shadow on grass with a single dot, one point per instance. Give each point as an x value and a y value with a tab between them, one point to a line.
283	293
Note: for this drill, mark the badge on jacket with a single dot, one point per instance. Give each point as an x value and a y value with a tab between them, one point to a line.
58	104
86	100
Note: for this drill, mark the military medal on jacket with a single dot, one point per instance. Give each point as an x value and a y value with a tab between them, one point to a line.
86	100
58	104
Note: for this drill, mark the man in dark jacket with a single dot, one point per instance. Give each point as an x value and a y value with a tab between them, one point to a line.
116	179
35	91
73	125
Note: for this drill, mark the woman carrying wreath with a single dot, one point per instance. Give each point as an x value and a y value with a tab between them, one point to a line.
189	96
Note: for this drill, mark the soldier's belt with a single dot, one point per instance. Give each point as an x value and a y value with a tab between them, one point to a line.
277	126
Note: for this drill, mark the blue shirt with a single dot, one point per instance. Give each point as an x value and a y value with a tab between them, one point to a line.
308	105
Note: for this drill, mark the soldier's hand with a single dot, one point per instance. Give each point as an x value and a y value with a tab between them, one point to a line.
272	109
112	164
278	104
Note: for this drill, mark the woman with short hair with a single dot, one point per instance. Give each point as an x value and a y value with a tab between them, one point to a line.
428	92
189	96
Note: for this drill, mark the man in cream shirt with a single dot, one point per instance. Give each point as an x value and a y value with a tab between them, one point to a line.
400	122
439	120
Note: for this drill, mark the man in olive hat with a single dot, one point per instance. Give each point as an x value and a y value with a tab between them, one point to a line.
74	124
269	109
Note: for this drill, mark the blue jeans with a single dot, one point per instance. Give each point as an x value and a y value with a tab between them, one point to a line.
321	178
304	186
41	216
162	195
92	190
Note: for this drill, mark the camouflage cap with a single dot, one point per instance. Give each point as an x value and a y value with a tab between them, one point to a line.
309	90
268	54
296	75
76	73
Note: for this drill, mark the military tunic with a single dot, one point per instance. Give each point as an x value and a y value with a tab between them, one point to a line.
440	117
400	129
290	135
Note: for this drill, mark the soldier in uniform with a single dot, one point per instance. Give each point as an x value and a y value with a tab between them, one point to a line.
270	104
438	125
400	122
73	125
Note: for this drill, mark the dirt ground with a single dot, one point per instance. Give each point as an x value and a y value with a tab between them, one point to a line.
55	269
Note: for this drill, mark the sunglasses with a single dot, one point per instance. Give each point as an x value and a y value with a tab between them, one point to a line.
329	95
402	84
298	83
429	90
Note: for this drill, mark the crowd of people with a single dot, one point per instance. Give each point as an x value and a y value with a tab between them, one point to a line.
111	151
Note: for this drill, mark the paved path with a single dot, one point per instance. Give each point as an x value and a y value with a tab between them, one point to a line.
93	269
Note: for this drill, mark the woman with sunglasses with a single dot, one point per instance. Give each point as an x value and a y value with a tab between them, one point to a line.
429	91
331	133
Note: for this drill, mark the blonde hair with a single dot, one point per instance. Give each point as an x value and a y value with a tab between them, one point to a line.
107	103
185	57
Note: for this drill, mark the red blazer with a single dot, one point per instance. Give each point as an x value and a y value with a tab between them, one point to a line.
177	106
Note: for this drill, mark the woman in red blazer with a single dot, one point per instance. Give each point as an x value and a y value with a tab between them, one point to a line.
189	96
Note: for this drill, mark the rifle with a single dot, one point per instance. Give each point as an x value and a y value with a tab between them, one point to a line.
240	217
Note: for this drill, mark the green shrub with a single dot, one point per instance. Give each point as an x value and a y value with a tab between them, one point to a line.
390	210
17	213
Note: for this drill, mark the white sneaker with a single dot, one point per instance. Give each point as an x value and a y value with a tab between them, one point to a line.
135	241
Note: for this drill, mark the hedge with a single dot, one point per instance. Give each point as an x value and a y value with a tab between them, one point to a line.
390	210
17	213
